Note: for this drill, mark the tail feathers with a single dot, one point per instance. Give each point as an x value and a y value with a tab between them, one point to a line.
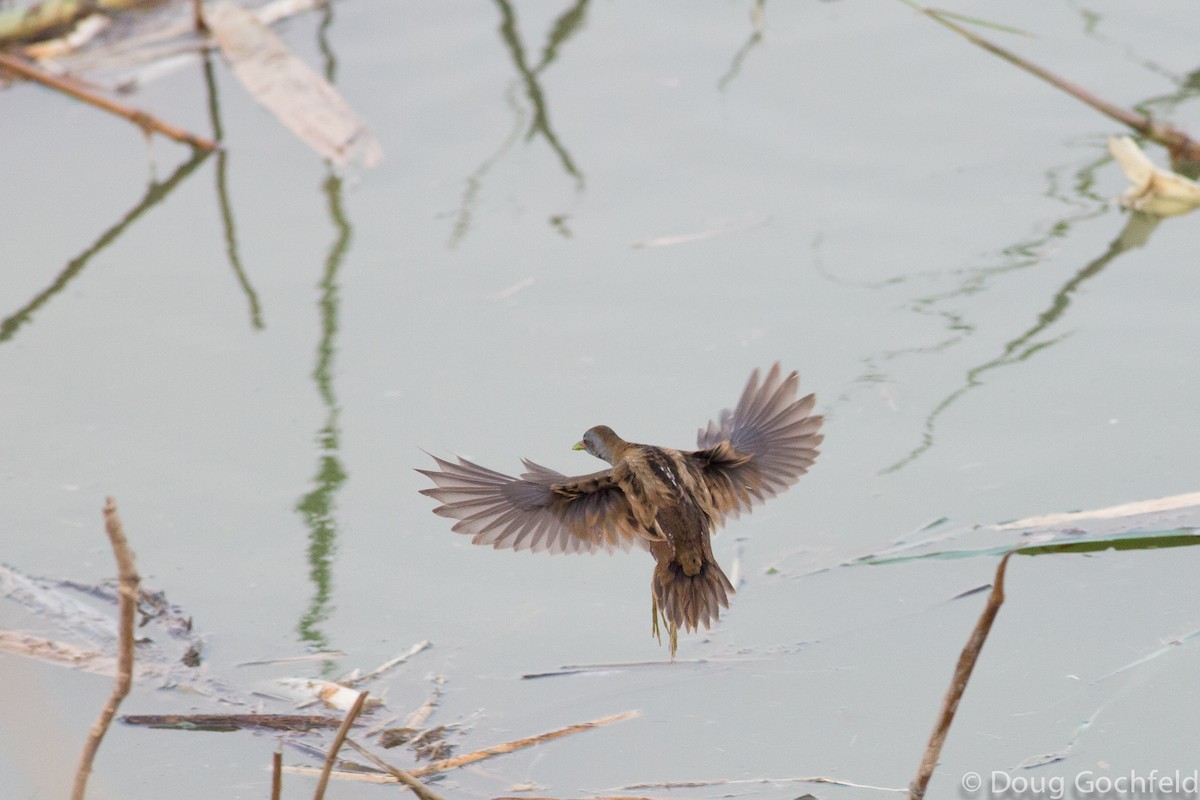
689	602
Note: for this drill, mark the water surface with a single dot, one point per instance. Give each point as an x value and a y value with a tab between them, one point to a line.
611	213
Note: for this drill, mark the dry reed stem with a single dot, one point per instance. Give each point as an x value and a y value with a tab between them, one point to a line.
958	684
148	123
1176	141
518	744
419	789
479	755
337	745
128	581
198	16
277	773
382	724
344	775
419	717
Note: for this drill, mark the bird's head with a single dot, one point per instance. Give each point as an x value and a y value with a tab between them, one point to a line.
601	441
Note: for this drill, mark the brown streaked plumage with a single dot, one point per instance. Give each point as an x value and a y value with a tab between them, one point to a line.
668	501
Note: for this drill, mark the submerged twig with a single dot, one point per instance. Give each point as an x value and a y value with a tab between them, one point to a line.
340	765
323	781
143	120
724	782
63	654
479	755
1043	759
345	775
577	669
323	655
233	722
128	587
1168	645
419	789
420	716
508	747
958	684
384	667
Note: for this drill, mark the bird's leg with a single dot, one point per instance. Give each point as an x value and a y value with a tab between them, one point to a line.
656	632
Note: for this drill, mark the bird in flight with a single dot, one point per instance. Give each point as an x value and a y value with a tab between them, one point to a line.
666	501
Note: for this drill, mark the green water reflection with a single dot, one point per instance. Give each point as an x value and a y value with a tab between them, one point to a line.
318	506
227	221
156	192
565	26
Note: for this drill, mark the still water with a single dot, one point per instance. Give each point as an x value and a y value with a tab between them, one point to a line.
610	213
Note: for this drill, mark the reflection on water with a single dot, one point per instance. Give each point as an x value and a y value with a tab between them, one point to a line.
564	27
559	223
1160	107
757	17
971	282
318	506
1081	194
1137	229
155	194
1164	106
1017	258
227	223
1135	233
462	222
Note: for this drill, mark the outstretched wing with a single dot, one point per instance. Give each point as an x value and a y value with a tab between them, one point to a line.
542	510
761	447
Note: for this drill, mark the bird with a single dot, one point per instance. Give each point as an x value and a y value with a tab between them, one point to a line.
669	502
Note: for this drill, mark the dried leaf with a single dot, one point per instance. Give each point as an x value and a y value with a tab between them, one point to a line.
302	100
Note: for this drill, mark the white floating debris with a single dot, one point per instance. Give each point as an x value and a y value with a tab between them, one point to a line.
311	690
1172	503
1155	190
